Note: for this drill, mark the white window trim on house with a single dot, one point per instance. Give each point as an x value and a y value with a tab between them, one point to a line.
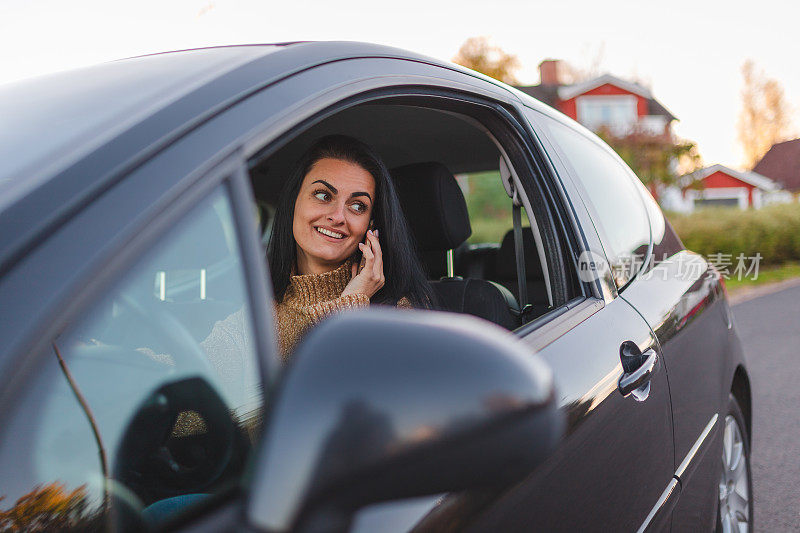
655	124
623	106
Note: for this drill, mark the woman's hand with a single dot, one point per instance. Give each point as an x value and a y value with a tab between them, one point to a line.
369	279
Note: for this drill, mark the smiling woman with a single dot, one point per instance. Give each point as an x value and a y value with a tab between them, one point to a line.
331	220
340	240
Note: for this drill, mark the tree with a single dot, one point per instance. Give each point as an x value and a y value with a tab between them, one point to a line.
658	160
765	115
51	507
479	54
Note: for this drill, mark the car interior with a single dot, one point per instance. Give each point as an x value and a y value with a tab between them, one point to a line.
436	157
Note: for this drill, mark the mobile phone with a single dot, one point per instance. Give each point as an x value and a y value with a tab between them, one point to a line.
357	255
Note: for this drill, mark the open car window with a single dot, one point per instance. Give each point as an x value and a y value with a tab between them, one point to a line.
490	251
419	143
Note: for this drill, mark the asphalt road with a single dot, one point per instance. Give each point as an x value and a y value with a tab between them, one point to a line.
769	327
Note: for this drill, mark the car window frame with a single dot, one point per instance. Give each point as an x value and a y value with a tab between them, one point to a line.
574	216
447	99
530	153
544	330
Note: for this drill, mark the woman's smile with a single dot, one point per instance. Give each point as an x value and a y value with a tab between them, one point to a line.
335	235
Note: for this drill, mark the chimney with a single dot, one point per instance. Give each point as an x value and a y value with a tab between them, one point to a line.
548	71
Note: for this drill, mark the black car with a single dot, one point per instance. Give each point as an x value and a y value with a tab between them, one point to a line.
587	374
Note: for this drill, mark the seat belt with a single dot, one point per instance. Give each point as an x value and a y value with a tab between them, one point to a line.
519	252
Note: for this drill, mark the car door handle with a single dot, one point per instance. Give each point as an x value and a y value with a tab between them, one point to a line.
630	381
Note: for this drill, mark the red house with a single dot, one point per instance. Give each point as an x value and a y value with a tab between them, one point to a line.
782	164
724	187
605	101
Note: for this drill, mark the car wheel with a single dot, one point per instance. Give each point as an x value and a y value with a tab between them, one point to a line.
735	484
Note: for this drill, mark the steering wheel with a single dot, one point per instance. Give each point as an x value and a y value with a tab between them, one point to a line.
152	460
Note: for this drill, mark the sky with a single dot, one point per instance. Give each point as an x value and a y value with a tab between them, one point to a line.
689	52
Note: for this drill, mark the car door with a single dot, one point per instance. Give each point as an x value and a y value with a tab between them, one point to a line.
680	296
615	466
617	460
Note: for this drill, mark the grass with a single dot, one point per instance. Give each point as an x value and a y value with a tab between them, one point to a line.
490	229
766	275
773	232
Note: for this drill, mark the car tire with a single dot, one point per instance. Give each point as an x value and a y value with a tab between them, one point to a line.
735	509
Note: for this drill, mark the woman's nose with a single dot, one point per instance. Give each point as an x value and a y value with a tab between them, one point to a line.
336	214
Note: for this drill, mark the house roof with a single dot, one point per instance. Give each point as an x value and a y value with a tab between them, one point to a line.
782	164
566	92
654	107
752	178
553	94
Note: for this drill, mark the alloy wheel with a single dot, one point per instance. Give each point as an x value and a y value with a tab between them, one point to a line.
734	493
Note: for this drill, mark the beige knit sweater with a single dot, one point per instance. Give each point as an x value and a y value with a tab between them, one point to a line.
310	298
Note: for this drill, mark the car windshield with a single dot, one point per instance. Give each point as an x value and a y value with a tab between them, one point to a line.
170	394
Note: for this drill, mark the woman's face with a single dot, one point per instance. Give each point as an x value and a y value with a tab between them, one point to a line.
331	214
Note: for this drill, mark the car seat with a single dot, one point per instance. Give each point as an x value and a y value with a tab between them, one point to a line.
504	270
437	215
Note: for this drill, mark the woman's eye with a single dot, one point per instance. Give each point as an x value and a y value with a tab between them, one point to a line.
358	207
321	195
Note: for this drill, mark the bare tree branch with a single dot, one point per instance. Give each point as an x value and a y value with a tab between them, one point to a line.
765	117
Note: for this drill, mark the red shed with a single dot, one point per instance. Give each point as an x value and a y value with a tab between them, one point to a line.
723	186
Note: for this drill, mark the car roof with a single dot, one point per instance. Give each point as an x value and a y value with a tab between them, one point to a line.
52	119
65	135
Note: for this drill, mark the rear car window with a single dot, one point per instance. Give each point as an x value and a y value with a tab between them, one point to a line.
616	197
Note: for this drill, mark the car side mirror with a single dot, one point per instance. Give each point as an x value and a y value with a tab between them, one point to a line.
387	404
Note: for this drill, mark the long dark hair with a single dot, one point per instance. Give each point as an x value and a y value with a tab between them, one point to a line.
401	266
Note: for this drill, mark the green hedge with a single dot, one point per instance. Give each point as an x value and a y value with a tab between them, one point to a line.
772	231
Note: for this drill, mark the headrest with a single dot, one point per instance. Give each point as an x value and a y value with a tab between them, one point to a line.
433	204
506	262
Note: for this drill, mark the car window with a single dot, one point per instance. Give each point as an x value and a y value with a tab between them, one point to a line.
489	253
488	205
614	195
151	400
